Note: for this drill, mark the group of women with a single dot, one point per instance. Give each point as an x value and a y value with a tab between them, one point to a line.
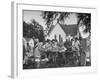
48	49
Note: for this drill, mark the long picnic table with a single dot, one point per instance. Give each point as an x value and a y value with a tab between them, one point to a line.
53	53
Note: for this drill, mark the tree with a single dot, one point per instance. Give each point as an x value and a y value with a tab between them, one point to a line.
38	29
28	30
33	29
49	16
85	19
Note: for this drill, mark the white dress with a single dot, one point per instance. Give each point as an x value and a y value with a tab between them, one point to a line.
37	52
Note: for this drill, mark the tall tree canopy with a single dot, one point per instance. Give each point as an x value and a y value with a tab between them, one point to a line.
85	19
33	29
49	16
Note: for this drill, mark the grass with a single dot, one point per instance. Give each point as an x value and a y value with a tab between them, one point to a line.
71	61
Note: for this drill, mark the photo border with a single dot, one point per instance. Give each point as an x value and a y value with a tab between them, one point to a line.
17	32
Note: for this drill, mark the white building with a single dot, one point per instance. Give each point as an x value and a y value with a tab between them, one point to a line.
61	31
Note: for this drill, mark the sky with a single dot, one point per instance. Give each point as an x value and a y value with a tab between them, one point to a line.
31	14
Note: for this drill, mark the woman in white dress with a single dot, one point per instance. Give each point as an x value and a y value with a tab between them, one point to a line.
37	53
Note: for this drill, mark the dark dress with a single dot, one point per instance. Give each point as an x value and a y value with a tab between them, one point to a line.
68	45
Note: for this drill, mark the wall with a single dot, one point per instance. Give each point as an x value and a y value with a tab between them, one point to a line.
5	41
57	30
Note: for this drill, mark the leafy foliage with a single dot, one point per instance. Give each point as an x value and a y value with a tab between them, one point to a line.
49	16
33	29
85	18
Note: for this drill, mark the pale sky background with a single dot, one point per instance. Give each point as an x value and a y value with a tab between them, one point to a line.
29	15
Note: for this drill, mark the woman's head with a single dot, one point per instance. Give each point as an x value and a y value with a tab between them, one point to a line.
37	40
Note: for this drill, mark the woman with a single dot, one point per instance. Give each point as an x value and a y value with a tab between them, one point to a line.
37	52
